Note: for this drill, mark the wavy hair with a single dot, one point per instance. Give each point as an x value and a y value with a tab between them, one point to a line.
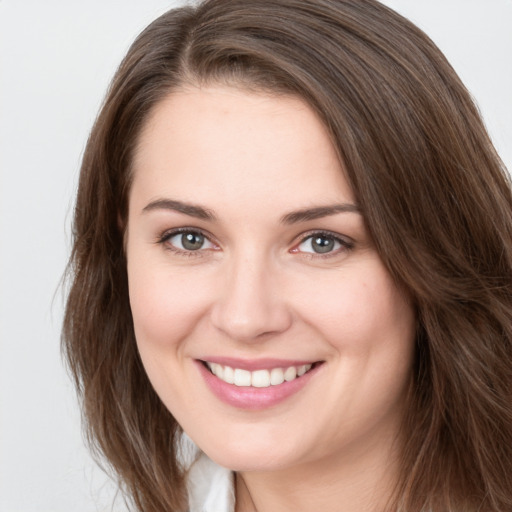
434	194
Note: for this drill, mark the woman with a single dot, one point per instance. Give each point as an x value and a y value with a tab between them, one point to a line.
293	242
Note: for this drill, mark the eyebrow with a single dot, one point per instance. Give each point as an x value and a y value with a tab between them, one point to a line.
303	215
318	212
186	208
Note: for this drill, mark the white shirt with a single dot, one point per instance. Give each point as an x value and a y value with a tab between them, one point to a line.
210	487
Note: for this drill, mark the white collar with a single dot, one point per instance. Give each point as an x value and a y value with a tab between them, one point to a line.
210	487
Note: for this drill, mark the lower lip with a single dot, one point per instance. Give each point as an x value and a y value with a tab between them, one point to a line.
251	398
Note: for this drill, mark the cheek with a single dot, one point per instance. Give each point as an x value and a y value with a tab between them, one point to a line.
166	306
360	309
166	309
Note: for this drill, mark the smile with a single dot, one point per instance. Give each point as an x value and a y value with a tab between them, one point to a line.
256	385
259	378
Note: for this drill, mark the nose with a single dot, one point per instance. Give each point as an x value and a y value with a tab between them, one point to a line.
251	304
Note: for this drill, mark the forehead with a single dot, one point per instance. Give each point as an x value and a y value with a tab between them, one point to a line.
228	145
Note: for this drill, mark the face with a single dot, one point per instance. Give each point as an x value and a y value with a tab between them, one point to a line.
264	317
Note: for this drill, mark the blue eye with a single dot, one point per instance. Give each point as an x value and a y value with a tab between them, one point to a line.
322	243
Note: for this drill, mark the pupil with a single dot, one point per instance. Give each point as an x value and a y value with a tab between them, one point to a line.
192	241
323	244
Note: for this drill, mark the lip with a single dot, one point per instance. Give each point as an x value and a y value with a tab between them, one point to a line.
251	398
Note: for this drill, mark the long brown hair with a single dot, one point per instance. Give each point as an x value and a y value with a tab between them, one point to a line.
435	196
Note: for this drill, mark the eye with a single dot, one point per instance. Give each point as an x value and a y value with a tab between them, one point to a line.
322	244
186	241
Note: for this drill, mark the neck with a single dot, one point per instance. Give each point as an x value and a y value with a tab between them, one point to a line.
359	480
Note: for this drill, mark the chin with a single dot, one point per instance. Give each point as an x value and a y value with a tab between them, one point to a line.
256	454
242	462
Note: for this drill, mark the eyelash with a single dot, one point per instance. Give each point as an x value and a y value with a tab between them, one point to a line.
167	235
345	245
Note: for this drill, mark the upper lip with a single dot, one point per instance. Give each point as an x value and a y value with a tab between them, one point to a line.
257	364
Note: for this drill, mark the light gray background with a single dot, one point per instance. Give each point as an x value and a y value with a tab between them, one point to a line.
57	58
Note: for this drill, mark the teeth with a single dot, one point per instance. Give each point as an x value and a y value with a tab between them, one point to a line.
229	375
276	376
258	378
290	374
242	378
218	370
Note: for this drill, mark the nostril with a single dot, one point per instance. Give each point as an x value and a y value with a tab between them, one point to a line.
249	322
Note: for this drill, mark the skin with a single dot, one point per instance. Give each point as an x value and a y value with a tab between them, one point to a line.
257	288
